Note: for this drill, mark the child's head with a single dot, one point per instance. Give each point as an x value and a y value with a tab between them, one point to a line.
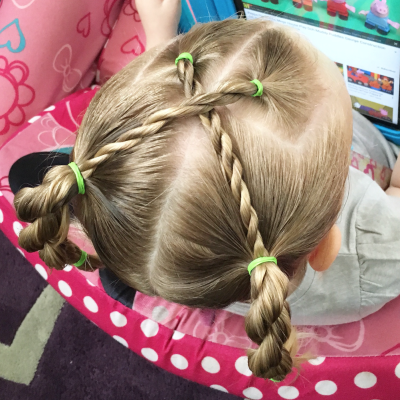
189	177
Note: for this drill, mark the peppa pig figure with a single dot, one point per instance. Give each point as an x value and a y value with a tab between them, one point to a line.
377	17
339	7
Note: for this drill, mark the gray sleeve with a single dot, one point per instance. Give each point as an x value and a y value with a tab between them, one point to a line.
378	248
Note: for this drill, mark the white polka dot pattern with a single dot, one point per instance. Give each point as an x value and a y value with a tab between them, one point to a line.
397	370
17	228
253	393
159	313
150	354
67	268
65	289
90	304
317	361
210	365
51	108
179	361
242	366
118	319
42	271
177	335
326	388
288	392
365	380
1	217
149	328
219	387
121	340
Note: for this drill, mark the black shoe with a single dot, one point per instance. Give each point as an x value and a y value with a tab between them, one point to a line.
30	170
117	289
382	32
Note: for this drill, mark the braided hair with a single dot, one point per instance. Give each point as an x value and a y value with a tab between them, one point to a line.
189	178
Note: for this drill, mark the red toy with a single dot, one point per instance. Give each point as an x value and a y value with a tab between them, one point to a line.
357	76
308	5
339	7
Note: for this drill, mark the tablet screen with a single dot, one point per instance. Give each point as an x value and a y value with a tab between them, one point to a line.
361	36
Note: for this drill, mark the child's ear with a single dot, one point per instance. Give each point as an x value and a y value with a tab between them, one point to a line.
327	250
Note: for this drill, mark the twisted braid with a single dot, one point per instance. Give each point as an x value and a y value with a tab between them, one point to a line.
198	104
268	322
46	208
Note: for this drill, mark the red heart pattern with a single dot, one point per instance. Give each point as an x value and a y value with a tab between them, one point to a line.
133	45
83	25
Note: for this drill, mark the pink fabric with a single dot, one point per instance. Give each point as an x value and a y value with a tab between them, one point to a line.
358	361
47	50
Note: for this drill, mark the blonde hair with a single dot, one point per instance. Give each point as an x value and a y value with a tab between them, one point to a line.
182	222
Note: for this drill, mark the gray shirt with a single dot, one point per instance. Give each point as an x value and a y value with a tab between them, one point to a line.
366	273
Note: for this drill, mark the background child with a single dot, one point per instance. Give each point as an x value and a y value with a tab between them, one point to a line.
188	178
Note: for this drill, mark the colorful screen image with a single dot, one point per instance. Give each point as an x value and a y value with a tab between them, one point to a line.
372	109
370	80
364	45
362	18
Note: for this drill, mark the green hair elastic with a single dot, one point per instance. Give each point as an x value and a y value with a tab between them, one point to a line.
184	56
81	260
79	177
260	88
260	260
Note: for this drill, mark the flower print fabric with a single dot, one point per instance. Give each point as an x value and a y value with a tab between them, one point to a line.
39	67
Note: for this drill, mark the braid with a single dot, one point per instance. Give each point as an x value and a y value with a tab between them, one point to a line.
268	322
46	208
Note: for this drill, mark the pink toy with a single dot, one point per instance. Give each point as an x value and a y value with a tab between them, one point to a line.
339	7
377	17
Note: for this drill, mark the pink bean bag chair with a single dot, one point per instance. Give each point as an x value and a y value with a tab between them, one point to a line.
360	360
